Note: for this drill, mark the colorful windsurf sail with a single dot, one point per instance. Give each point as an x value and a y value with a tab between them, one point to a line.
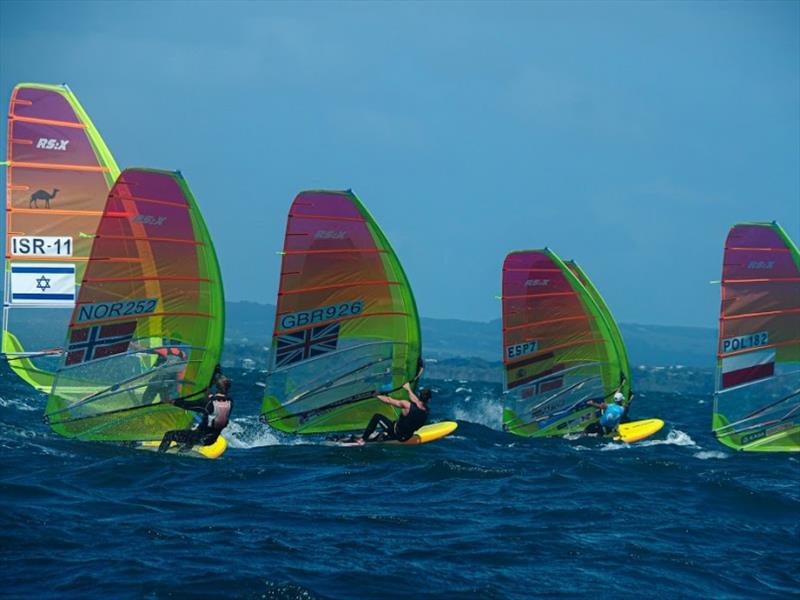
616	334
757	400
346	325
558	348
148	324
58	175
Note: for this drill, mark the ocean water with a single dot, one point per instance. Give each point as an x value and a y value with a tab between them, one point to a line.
482	514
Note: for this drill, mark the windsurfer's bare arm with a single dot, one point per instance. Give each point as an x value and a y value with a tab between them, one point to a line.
401	404
413	397
601	405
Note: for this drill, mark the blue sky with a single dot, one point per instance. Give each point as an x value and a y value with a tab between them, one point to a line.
628	136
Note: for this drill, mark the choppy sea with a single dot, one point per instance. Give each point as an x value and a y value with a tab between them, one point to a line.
482	514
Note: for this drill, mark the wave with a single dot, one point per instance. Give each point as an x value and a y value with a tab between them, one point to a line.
675	437
248	432
707	454
484	410
19	404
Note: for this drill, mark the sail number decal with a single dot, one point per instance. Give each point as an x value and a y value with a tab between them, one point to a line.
318	315
109	310
745	342
31	245
517	350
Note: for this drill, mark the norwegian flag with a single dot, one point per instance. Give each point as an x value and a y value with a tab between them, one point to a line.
99	341
307	343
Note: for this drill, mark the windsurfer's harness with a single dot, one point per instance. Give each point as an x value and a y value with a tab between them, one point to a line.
222	411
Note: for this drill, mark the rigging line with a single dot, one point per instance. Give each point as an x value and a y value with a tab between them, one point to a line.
574	407
567	370
346	401
761	410
116	387
330	384
562	392
124	410
25	355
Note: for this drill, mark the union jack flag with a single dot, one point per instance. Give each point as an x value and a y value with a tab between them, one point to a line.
99	341
307	343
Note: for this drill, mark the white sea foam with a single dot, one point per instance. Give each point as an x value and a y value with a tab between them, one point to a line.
248	432
675	437
22	404
707	454
485	411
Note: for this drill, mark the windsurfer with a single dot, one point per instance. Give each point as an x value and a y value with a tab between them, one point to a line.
611	417
216	406
414	414
169	368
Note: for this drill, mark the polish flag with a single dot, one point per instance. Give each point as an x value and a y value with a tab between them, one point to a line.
745	368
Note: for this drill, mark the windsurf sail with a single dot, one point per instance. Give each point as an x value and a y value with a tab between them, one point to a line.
346	324
616	334
148	324
558	348
757	400
58	175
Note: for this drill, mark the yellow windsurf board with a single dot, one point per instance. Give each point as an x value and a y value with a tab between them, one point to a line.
637	430
214	450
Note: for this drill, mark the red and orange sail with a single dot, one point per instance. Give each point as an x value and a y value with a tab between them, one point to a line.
58	175
558	348
757	400
346	325
152	286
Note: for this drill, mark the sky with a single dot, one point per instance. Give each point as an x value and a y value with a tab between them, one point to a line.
628	136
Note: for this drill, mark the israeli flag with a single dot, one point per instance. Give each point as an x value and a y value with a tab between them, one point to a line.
43	283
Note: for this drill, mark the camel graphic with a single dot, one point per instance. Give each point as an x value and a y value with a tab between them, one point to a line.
42	195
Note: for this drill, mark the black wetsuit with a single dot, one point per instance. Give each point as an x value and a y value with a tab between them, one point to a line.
402	429
205	433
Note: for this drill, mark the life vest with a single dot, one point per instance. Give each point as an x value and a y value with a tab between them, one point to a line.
222	411
612	415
